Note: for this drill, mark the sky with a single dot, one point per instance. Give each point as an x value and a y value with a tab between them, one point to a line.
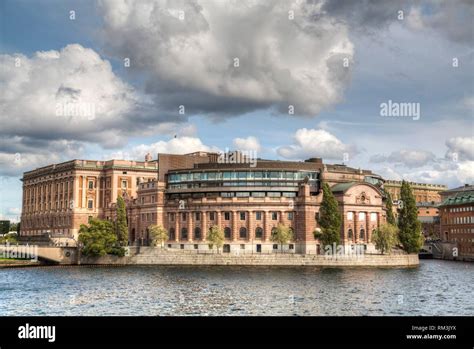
288	79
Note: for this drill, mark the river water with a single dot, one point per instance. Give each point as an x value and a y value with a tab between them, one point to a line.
434	288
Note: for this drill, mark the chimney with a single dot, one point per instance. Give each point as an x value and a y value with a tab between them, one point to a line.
148	157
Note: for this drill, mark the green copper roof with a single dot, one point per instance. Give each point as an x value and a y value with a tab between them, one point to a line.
466	197
342	187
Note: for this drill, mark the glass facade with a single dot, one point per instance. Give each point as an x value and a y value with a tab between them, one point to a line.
239	179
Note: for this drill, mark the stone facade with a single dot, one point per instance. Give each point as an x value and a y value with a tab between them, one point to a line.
188	194
58	198
423	192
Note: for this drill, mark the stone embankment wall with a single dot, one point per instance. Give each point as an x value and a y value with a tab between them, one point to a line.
157	256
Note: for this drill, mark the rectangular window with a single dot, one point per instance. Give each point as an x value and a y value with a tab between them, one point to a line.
90	204
242	216
91	185
171	217
242	246
290	216
275	246
258	216
275	175
183	217
211	216
227	195
274	216
227	216
258	194
373	217
198	216
350	216
273	194
243	194
124	184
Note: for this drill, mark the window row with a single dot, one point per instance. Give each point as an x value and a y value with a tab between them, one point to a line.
243	215
254	175
242	233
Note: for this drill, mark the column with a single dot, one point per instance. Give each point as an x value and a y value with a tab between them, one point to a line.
84	203
251	226
267	229
176	226
219	219
204	225
190	218
97	193
234	226
356	227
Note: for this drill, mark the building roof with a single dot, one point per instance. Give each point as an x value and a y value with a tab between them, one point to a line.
463	197
342	187
465	187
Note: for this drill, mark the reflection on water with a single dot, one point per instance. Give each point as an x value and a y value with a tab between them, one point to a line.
435	288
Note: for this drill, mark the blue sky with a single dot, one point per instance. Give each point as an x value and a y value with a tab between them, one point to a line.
189	62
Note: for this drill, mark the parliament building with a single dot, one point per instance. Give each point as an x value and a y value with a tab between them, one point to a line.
189	193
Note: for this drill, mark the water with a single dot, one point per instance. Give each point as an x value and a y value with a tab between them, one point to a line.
435	288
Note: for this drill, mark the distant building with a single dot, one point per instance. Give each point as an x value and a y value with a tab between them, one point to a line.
428	215
448	193
423	192
457	220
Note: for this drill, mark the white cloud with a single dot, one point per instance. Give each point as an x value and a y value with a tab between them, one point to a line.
248	144
191	61
406	157
460	148
316	143
73	89
178	145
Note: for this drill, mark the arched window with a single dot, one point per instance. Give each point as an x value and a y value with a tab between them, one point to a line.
243	233
197	233
172	234
362	234
274	230
258	233
350	234
227	233
184	233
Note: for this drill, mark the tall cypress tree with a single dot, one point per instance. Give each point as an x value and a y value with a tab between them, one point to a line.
389	205
330	219
408	223
121	222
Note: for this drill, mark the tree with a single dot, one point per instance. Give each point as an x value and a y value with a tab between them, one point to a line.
215	237
389	206
158	235
282	234
329	219
4	227
98	239
408	224
385	237
121	227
